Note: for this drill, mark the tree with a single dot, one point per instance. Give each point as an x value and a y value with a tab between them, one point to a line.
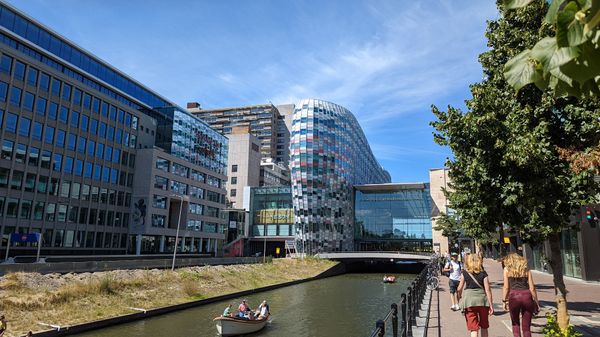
568	62
506	167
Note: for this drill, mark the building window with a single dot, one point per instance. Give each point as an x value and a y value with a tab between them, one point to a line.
159	201
179	170
24	127
7	149
162	164
161	183
158	220
234	168
233	192
179	187
233	180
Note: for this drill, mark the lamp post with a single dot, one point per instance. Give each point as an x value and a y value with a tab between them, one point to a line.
177	232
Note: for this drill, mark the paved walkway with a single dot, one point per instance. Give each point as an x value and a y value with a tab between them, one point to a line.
583	301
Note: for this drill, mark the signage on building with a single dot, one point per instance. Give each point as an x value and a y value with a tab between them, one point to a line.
274	216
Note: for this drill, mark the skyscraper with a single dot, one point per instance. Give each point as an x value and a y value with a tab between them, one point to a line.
329	154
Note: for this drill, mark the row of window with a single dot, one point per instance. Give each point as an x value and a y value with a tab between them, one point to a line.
26	127
63	163
184	171
59	212
71	238
59	89
184	189
30	182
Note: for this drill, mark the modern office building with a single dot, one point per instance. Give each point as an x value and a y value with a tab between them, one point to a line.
392	217
271	219
72	128
262	119
329	155
244	164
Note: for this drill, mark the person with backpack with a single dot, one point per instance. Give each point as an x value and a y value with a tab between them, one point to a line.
455	269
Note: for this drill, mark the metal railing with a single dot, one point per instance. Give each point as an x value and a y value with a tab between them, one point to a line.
408	308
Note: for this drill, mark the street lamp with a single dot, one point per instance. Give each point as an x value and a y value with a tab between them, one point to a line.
177	232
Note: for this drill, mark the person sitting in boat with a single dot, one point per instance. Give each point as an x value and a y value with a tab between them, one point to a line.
385	278
243	309
227	311
263	310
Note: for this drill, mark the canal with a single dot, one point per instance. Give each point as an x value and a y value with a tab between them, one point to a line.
346	305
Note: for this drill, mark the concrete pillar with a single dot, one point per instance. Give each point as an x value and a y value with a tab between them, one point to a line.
161	247
216	246
208	246
201	245
138	244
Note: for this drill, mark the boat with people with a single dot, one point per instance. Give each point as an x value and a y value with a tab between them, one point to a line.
389	279
245	321
233	326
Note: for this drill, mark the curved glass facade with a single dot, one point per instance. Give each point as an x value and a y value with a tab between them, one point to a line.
329	154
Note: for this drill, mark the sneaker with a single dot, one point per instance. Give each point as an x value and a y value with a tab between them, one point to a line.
456	307
453	307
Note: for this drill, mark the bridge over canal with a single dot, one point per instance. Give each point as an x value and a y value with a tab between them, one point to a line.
380	262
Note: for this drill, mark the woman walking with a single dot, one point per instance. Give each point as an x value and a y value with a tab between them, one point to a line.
519	294
475	296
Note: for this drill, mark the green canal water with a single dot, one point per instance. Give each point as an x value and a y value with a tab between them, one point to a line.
345	306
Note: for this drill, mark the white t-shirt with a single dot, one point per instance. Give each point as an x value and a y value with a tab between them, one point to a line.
455	270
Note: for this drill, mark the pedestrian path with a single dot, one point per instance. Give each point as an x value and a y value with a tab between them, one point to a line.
583	300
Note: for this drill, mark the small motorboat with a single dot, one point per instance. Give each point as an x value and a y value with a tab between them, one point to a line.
389	279
233	326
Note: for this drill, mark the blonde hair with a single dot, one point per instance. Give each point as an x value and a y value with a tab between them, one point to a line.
516	265
473	264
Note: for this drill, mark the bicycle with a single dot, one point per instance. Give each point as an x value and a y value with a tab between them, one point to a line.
433	281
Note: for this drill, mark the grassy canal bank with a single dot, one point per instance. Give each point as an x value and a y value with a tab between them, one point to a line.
29	298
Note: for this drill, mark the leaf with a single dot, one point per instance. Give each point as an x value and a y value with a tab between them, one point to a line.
584	67
520	70
514	4
544	50
562	56
575	34
563	23
551	15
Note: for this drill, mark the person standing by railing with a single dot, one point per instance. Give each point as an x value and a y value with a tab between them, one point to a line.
476	300
454	268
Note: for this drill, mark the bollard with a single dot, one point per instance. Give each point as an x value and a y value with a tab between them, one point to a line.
394	319
403	314
381	326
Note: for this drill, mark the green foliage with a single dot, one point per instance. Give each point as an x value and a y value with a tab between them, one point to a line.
506	167
449	226
553	330
567	60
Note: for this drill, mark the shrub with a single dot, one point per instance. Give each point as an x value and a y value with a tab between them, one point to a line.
553	330
107	286
191	287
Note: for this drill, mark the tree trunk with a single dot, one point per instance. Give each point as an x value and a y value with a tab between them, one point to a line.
560	290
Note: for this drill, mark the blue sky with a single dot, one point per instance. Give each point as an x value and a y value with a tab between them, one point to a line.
386	61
